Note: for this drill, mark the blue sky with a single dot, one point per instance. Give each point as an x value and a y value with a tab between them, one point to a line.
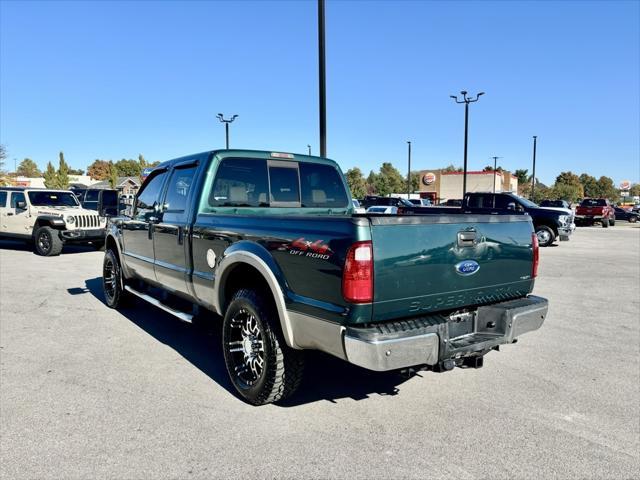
113	79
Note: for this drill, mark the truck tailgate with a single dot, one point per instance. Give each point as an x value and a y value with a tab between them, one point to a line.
444	262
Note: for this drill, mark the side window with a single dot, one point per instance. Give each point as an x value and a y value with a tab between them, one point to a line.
3	199
322	186
178	189
480	201
285	185
16	197
240	182
503	201
149	195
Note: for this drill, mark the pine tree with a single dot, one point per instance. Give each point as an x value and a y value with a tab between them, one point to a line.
113	175
50	177
63	174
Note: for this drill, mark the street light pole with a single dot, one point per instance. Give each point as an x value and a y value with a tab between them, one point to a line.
322	87
533	177
409	171
495	163
309	148
226	126
466	100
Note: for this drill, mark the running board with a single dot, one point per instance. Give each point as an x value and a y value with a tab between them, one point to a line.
185	317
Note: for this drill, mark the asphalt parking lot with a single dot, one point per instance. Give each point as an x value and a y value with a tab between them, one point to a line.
88	392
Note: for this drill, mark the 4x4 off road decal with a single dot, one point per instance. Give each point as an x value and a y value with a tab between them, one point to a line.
307	248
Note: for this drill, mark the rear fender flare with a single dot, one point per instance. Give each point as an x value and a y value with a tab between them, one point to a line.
258	257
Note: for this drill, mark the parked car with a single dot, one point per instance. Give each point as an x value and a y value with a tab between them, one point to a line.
383	209
628	215
452	202
556	204
421	202
549	223
356	206
48	219
269	242
593	210
374	200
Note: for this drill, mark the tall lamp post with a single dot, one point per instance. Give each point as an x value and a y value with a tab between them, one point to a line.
409	170
466	100
322	85
533	177
309	149
226	125
495	164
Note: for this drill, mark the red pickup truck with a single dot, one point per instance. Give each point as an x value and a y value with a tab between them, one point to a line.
595	210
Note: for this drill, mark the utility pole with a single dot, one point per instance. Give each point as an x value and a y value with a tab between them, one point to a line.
495	161
322	81
409	171
226	126
466	100
309	148
533	177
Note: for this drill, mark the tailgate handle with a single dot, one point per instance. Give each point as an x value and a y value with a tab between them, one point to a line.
466	239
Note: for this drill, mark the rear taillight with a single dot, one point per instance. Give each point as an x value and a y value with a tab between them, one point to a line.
357	276
536	255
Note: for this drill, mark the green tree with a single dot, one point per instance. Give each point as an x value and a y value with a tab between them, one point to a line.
63	173
28	168
76	171
357	183
50	176
489	168
415	181
371	183
4	179
522	175
128	168
113	175
569	186
389	180
99	169
452	168
607	189
589	185
634	191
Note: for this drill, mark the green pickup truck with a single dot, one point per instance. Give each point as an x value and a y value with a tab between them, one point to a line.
269	242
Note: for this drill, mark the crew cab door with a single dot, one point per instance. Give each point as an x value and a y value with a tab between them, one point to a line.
171	233
3	211
18	220
137	232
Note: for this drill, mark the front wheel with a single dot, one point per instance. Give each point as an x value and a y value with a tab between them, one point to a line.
605	223
47	242
545	235
115	295
262	368
612	222
633	219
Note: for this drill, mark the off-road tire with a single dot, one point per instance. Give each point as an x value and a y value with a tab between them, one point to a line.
605	223
282	366
47	242
547	235
115	296
612	222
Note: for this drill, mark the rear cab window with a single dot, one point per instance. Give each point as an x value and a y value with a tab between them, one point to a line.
262	183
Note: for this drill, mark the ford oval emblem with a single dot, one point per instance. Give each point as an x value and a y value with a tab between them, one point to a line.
467	267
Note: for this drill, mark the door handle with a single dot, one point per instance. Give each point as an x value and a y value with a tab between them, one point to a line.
10	214
466	239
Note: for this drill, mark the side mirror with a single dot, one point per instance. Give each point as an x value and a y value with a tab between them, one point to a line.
108	202
511	206
21	205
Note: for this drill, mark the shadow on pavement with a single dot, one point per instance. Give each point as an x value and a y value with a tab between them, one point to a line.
325	377
24	246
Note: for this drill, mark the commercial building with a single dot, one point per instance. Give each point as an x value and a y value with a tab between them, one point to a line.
441	185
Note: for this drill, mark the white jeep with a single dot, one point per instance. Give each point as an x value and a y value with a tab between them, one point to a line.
48	219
